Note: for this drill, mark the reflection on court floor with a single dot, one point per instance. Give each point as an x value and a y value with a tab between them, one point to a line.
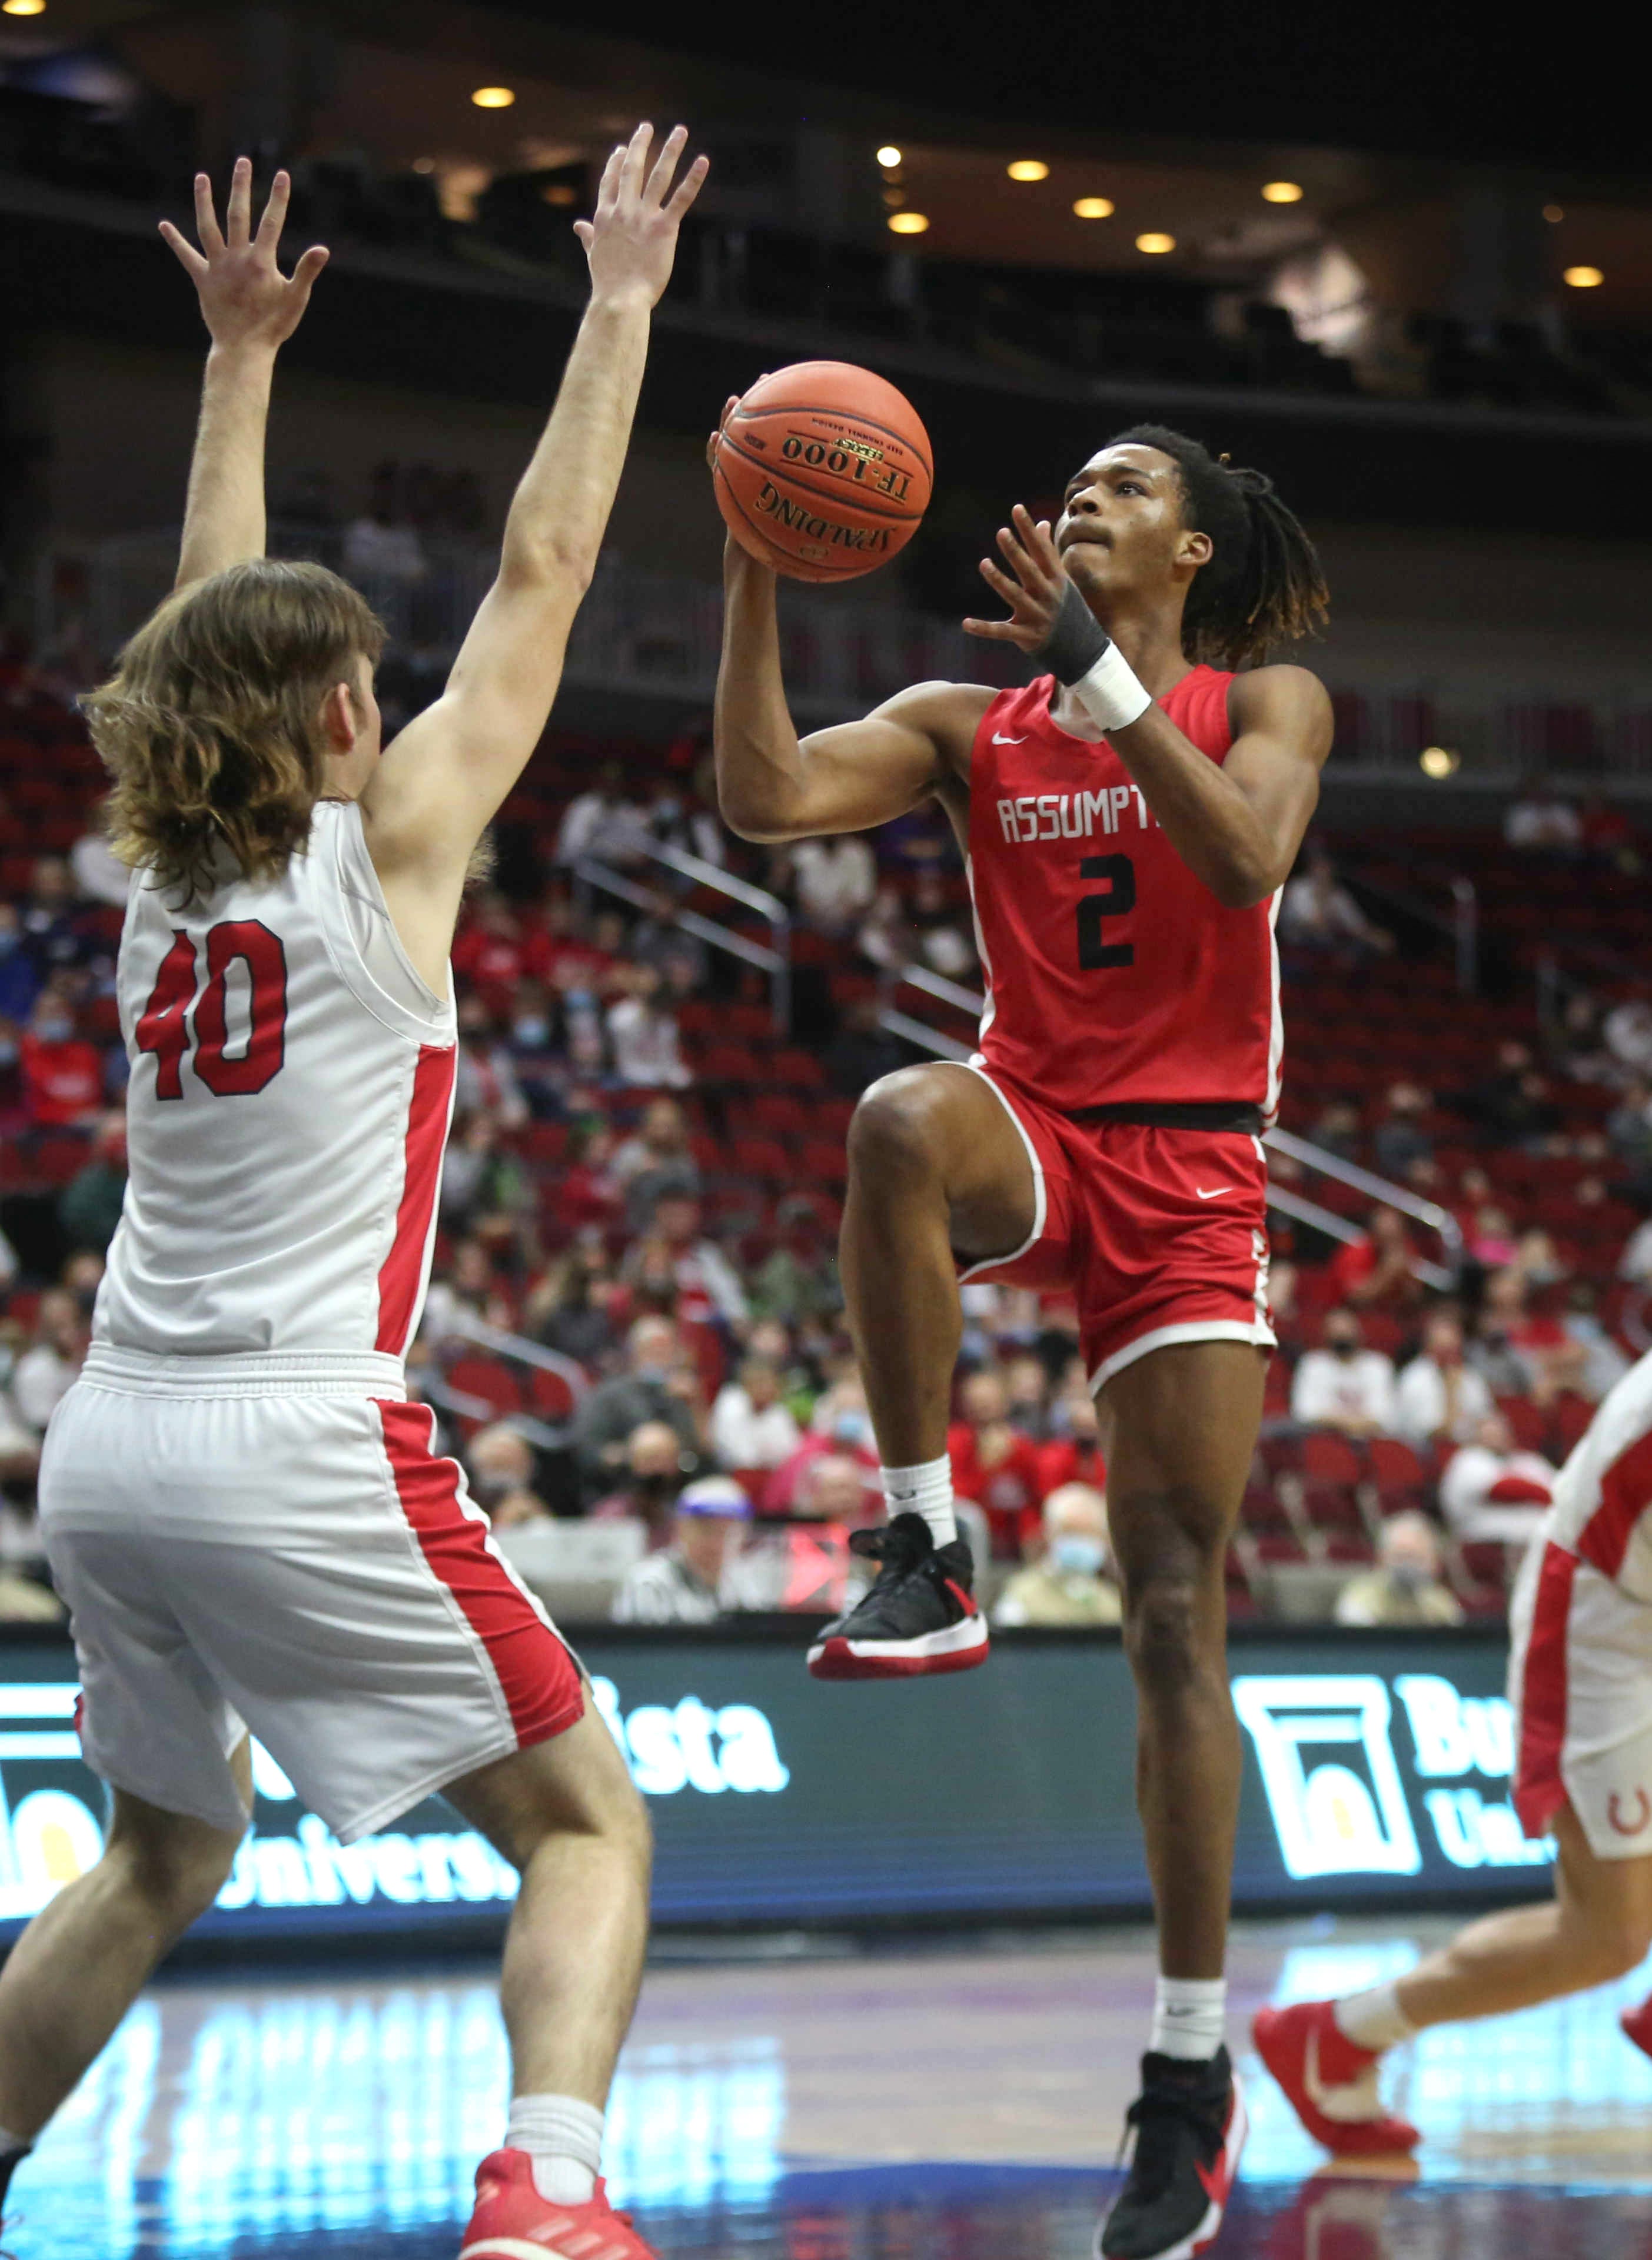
943	2103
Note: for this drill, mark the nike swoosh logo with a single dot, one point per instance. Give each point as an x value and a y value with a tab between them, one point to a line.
1214	1189
1357	2099
999	738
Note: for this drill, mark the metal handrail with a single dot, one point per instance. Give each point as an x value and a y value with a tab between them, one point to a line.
1438	1220
775	959
467	1408
502	1343
1337	1227
946	992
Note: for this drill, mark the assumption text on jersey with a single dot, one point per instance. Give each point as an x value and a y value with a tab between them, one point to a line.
1076	815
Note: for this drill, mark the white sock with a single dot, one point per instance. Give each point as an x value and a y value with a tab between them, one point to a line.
1189	2017
925	1490
1374	2019
564	2138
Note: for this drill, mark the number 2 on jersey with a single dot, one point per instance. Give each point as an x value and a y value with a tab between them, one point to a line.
163	1027
1120	872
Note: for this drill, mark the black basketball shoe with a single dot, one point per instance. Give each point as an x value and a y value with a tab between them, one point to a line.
920	1615
1189	2129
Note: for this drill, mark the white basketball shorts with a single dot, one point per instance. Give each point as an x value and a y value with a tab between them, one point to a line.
1580	1679
273	1544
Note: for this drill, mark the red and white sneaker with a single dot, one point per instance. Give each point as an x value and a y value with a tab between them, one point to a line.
1637	2025
1331	2084
918	1617
513	2222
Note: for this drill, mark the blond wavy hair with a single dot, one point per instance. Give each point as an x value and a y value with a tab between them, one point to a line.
210	725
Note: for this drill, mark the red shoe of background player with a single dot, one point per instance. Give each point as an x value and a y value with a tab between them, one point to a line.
1637	2025
1331	2084
513	2222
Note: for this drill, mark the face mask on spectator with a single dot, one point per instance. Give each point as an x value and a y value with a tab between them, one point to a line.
1077	1555
8	1051
487	1490
531	1030
1409	1577
1341	1344
651	1373
850	1427
54	1028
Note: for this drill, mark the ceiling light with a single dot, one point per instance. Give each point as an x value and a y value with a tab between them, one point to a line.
1282	193
22	7
494	97
904	222
1439	762
1553	212
424	164
1094	208
1584	278
1153	241
889	156
1029	169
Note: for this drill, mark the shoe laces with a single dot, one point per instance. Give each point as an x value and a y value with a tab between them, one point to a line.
900	1549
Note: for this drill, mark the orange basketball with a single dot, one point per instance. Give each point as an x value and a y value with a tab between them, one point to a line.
823	471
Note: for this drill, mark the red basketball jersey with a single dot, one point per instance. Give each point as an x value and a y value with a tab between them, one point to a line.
1113	975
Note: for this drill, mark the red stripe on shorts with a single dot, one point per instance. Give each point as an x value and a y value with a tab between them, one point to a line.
402	1273
1539	1791
537	1676
1626	1489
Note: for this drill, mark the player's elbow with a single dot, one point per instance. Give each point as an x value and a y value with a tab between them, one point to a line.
547	563
1244	876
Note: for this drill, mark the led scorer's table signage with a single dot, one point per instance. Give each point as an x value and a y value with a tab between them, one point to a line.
1376	1767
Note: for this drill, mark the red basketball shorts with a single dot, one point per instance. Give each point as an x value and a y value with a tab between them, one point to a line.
1160	1235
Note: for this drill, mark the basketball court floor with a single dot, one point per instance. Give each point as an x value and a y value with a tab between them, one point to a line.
924	2103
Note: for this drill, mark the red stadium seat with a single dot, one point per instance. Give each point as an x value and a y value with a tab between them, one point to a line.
1401	1479
485	1378
1529	1422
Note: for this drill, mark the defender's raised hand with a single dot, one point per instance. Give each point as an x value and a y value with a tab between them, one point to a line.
1034	594
630	240
244	297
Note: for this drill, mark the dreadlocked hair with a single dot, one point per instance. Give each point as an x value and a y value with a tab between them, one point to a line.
1264	584
210	725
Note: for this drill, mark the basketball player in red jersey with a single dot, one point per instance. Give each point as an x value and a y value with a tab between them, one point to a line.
1128	820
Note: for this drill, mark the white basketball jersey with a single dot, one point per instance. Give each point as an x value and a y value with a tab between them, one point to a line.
1603	1496
292	1082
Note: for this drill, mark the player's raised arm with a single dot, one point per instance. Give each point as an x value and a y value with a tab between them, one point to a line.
773	785
250	309
438	785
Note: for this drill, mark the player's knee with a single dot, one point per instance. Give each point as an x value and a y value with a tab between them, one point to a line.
178	1874
1162	1633
895	1132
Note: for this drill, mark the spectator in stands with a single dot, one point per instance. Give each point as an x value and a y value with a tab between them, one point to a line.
485	1079
1493	1489
1316	911
797	1280
1578	1047
52	929
1496	1350
642	1031
659	1384
1513	1105
751	1425
1026	1389
833	1488
863	1049
569	1310
1338	1129
653	1470
1379	1269
501	1464
53	1360
97	873
603	824
88	1206
62	1074
1438	1397
836	882
1399	1141
994	1465
1074	1452
686	1581
886	941
1490	1239
382	553
839	1423
1628	1029
1405	1587
19	974
468	1290
707	1285
482	1181
1542	822
584	1193
1070	1583
655	1160
497	949
1342	1384
659	940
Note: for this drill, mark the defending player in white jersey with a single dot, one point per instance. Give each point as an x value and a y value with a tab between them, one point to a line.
245	1513
1580	1680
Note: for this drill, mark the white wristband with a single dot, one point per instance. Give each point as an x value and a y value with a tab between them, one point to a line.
1112	694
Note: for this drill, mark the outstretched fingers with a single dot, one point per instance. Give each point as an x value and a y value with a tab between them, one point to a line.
206	225
664	165
688	188
188	256
634	160
238	213
274	217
